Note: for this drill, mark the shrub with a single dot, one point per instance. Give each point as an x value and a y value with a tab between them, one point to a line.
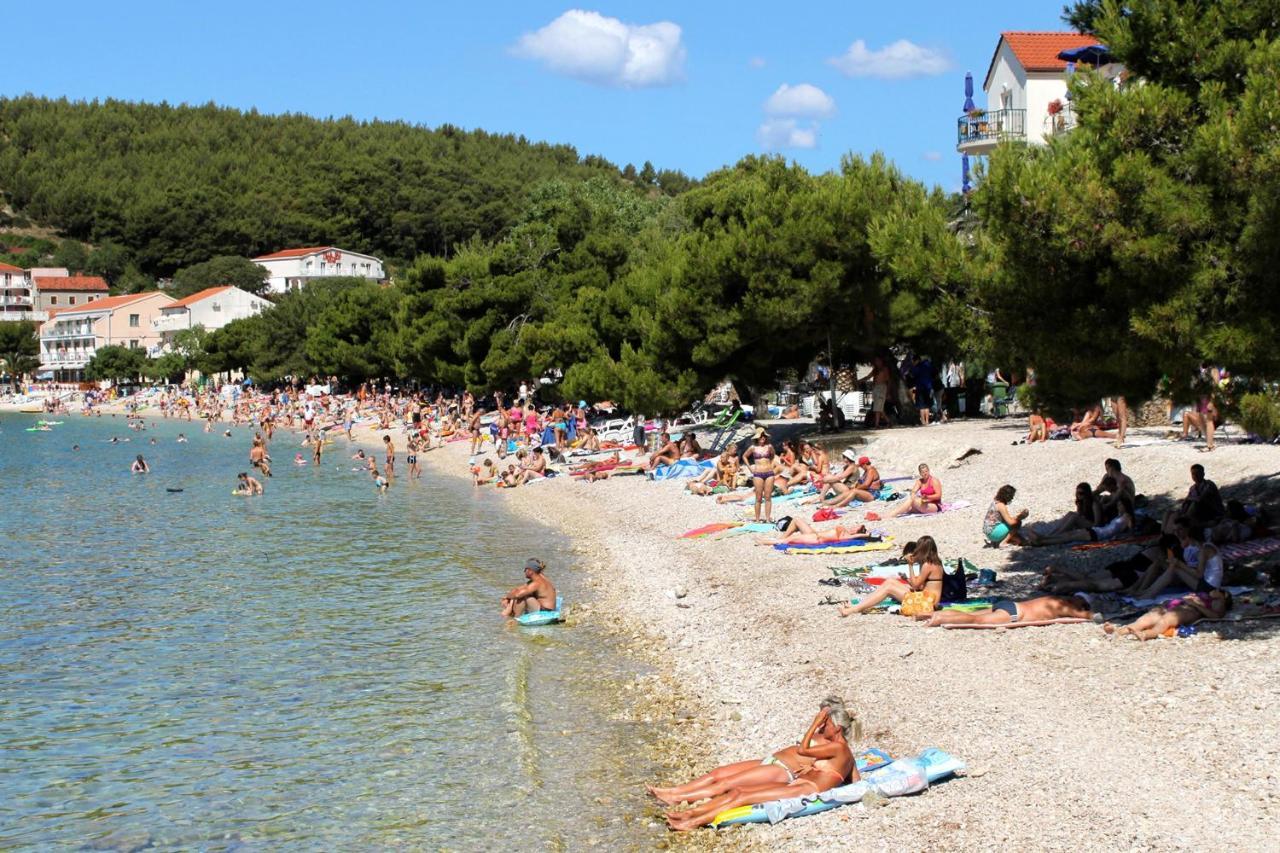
1260	414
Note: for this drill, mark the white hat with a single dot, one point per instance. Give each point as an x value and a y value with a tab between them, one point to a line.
849	454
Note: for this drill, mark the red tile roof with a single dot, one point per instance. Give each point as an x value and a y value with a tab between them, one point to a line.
78	283
113	302
10	268
292	253
196	297
1038	51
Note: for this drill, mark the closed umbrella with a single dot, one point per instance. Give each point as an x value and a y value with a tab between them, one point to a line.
968	91
965	186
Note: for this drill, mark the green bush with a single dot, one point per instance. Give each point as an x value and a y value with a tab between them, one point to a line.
1260	414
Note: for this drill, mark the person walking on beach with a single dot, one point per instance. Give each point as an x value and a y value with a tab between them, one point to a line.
536	595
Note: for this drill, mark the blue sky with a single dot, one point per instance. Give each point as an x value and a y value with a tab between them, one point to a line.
691	86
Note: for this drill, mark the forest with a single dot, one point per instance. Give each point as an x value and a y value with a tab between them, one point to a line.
1116	259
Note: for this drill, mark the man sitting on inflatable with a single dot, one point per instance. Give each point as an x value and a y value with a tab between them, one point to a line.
537	595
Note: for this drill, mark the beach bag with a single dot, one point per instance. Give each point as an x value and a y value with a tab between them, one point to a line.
916	604
825	514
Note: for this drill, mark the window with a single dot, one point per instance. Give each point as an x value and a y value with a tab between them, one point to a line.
133	344
133	322
217	306
71	300
53	300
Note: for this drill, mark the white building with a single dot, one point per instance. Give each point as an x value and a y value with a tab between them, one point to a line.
17	295
1026	90
211	308
290	269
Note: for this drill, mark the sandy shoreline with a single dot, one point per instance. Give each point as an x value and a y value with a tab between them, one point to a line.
1074	741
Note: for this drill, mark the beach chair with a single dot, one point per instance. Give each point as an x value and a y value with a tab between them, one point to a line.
1000	399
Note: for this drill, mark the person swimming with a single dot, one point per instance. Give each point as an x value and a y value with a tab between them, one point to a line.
140	466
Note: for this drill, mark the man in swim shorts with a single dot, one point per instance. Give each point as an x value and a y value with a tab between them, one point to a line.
536	595
1006	611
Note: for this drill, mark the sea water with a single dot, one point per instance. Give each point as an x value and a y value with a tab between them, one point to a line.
322	667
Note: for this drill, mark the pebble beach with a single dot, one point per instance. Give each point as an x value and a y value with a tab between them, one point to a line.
1073	740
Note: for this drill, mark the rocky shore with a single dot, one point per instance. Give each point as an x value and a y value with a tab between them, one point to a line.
1074	741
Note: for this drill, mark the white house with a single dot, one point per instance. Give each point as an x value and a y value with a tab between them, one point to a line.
17	295
212	308
290	269
1026	90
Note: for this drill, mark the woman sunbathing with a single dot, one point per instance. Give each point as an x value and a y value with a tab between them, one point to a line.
800	532
864	489
1165	621
1086	514
930	580
1140	570
725	472
925	497
1196	565
779	768
826	743
1124	523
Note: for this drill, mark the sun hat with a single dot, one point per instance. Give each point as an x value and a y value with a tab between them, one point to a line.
864	460
849	454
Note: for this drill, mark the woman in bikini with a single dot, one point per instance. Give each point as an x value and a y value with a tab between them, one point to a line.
826	743
780	768
723	475
929	580
759	457
925	497
865	489
1164	621
800	532
792	471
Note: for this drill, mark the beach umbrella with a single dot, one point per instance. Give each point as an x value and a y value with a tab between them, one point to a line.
1095	54
968	91
965	186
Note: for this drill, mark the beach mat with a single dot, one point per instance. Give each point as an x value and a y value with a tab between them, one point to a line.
1116	543
1252	548
1036	623
708	529
840	546
947	506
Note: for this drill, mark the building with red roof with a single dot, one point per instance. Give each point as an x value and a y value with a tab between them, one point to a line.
1026	91
71	336
290	269
211	308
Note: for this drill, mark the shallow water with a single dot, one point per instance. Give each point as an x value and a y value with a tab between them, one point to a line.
321	667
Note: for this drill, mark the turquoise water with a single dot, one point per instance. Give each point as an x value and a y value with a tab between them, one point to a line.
319	668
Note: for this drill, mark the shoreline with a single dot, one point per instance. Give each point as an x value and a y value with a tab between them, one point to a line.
1057	725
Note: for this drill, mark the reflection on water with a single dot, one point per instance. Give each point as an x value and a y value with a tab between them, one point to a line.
321	667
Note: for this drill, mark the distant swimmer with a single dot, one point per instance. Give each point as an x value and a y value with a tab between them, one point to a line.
152	441
227	434
248	485
182	439
140	466
538	594
359	454
75	447
298	460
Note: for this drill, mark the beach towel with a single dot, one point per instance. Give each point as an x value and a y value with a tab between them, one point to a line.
1171	593
947	506
714	527
685	468
840	546
1114	543
1252	548
1037	623
891	778
750	527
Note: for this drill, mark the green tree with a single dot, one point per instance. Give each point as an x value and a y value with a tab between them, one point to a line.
216	272
133	280
73	255
116	364
110	261
19	347
170	367
1146	240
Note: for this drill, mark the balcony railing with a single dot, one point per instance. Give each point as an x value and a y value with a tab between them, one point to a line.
58	331
1063	121
171	322
61	358
14	299
991	126
37	316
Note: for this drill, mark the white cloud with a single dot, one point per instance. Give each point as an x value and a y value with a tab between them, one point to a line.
756	62
606	51
776	133
932	156
897	61
802	100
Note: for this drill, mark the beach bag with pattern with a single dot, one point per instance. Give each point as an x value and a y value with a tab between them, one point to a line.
916	604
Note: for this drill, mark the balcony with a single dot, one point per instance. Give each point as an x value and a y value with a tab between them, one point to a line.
34	316
61	331
1060	123
172	322
981	131
70	359
7	299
